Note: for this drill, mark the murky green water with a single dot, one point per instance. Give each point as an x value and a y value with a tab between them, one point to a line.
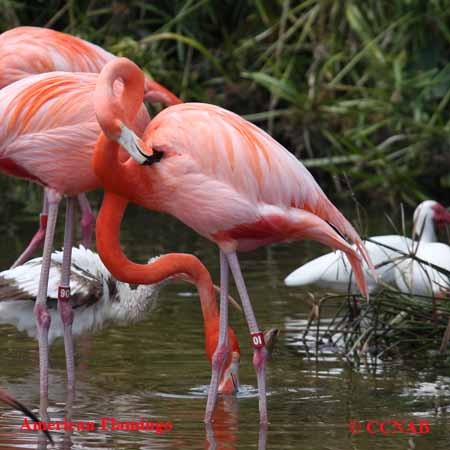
157	369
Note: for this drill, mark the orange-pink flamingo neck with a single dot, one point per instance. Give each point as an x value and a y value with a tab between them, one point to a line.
177	265
108	231
114	114
115	110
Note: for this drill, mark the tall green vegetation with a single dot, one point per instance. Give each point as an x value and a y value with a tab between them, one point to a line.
358	89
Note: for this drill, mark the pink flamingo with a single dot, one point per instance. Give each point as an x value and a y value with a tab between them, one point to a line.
26	51
48	132
222	176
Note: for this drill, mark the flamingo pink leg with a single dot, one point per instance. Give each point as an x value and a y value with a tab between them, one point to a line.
40	309
221	353
64	306
260	352
38	238
262	437
87	220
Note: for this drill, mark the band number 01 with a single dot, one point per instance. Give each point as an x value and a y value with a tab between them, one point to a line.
257	340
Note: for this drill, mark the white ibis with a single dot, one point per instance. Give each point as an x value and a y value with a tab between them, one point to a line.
332	271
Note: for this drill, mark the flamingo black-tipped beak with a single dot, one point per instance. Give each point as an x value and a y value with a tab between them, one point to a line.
155	157
230	380
136	147
15	404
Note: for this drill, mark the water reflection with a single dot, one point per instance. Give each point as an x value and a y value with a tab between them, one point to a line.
223	432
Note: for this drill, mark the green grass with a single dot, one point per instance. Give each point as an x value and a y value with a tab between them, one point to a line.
358	90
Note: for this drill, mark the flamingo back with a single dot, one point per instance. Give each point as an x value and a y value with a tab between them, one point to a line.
26	51
48	130
226	148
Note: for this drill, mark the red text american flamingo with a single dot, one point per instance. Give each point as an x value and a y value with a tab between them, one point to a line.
47	135
222	176
26	51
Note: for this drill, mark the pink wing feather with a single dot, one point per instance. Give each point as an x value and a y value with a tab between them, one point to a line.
48	130
230	150
27	51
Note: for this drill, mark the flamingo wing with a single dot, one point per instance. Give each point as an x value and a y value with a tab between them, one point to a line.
242	163
26	51
48	130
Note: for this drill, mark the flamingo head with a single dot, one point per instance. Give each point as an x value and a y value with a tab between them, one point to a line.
441	216
229	380
136	147
118	97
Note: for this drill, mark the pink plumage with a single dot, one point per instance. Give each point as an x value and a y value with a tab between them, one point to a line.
222	176
47	134
48	130
26	51
250	189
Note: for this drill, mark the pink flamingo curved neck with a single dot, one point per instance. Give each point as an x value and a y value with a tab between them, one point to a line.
176	265
109	105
